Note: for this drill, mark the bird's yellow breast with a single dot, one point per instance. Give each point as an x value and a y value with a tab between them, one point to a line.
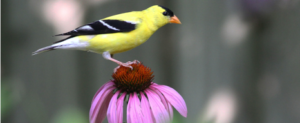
117	42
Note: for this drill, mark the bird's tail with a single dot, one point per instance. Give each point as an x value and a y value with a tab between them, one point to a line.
44	49
68	44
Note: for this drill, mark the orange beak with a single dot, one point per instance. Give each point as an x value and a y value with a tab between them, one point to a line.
175	20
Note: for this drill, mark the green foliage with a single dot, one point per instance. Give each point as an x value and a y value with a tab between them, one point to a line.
71	115
6	100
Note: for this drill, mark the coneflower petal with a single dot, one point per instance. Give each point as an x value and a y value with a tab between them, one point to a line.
159	111
170	109
98	96
164	101
120	108
173	97
128	109
146	109
136	115
112	109
108	84
100	104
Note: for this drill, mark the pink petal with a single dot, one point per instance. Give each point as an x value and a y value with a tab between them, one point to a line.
135	109
120	108
173	97
100	103
167	105
146	109
128	110
159	111
108	84
170	110
112	109
164	101
99	94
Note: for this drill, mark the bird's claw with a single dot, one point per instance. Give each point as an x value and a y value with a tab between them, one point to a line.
131	62
115	70
136	61
127	64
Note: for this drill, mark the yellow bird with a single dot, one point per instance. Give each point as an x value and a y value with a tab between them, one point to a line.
115	34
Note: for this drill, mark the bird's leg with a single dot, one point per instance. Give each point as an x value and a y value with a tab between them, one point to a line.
107	56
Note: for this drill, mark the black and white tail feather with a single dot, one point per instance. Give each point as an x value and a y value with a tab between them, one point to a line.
68	43
55	45
44	49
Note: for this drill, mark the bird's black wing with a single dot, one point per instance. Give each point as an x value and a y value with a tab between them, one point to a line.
102	27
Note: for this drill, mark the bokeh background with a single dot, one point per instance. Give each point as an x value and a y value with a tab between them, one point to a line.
233	61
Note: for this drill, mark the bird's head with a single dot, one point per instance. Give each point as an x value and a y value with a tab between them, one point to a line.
161	15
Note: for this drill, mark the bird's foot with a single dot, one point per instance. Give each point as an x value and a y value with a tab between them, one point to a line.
127	64
136	62
132	62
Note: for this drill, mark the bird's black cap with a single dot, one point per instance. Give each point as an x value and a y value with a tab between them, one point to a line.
168	11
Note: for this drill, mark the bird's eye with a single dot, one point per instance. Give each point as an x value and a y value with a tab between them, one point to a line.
165	13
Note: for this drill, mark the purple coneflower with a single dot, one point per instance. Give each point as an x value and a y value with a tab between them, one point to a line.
147	102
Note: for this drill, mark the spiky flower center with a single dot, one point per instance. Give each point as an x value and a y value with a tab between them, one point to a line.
133	80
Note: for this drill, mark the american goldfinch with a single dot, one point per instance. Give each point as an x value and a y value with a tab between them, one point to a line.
115	34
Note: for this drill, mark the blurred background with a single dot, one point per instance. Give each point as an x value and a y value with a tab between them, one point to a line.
233	61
